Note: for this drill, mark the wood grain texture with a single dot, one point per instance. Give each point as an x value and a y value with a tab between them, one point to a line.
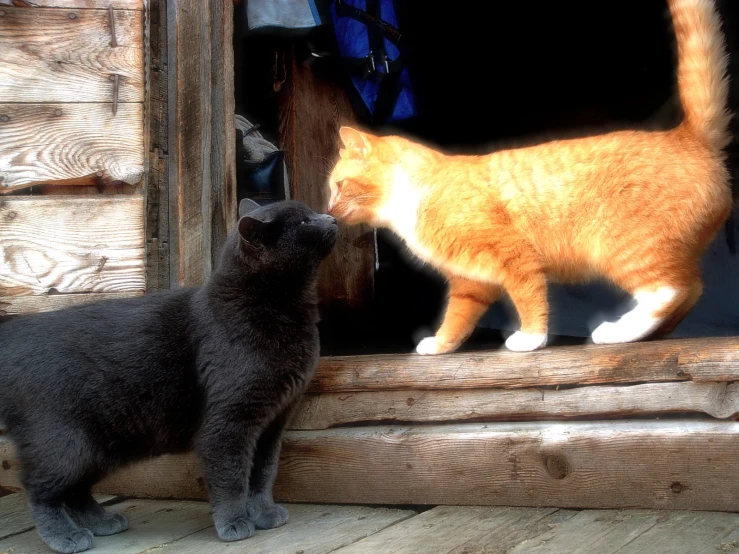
322	411
676	464
157	186
463	530
65	55
151	524
14	516
70	143
83	4
71	245
312	529
638	531
201	133
17	305
664	464
312	107
701	360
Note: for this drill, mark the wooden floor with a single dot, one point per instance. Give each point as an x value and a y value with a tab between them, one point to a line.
184	527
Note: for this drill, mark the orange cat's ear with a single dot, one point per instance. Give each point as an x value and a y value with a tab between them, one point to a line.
356	143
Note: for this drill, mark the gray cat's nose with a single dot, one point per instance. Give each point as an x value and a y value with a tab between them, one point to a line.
329	219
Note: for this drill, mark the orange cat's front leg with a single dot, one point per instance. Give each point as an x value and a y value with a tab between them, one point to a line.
468	301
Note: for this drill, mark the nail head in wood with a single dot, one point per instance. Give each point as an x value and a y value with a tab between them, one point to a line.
57	112
4	118
72	16
2	13
115	79
111	19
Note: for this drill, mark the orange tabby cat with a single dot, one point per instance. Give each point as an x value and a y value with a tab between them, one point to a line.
636	207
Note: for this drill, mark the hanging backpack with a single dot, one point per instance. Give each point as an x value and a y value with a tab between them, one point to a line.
373	52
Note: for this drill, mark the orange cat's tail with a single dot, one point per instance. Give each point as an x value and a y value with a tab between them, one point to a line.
701	69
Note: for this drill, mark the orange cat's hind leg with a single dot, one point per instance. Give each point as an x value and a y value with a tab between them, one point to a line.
663	299
528	292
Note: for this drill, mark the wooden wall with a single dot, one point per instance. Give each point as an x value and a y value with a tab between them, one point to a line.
72	138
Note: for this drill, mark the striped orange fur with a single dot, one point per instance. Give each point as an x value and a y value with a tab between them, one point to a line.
635	207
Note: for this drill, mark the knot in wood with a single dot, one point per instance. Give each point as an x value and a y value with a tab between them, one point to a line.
557	466
676	487
2	13
6	465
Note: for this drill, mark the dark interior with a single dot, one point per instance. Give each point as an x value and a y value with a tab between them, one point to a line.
485	75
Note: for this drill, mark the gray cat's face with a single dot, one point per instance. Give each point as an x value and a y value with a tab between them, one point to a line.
285	235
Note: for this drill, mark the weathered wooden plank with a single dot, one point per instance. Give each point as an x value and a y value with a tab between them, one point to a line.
638	531
65	55
703	359
70	143
463	530
157	187
83	4
672	464
151	523
17	305
322	411
71	245
201	133
312	529
312	107
663	464
14	516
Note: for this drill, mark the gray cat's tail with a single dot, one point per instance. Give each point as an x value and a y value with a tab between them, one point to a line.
702	70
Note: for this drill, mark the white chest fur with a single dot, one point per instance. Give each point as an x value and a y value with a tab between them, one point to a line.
400	214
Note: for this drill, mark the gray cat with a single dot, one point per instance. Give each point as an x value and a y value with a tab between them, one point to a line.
219	368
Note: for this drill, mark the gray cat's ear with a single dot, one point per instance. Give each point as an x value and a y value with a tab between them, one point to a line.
247	205
251	231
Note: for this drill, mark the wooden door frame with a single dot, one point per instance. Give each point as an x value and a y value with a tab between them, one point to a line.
191	197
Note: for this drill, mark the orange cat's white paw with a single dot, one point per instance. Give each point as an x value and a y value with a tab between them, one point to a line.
430	346
526	342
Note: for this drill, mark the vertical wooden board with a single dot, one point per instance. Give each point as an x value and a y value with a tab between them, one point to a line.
639	531
312	107
461	530
221	192
151	523
69	143
71	245
65	55
157	187
201	133
14	515
312	529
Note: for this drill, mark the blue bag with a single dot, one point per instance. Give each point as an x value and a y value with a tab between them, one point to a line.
372	50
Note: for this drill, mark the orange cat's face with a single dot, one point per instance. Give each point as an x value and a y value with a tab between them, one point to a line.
359	179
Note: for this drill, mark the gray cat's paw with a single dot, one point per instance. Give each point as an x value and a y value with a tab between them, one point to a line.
235	530
271	517
76	541
108	525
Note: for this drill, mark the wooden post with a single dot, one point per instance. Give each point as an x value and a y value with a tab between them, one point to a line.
202	135
313	105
